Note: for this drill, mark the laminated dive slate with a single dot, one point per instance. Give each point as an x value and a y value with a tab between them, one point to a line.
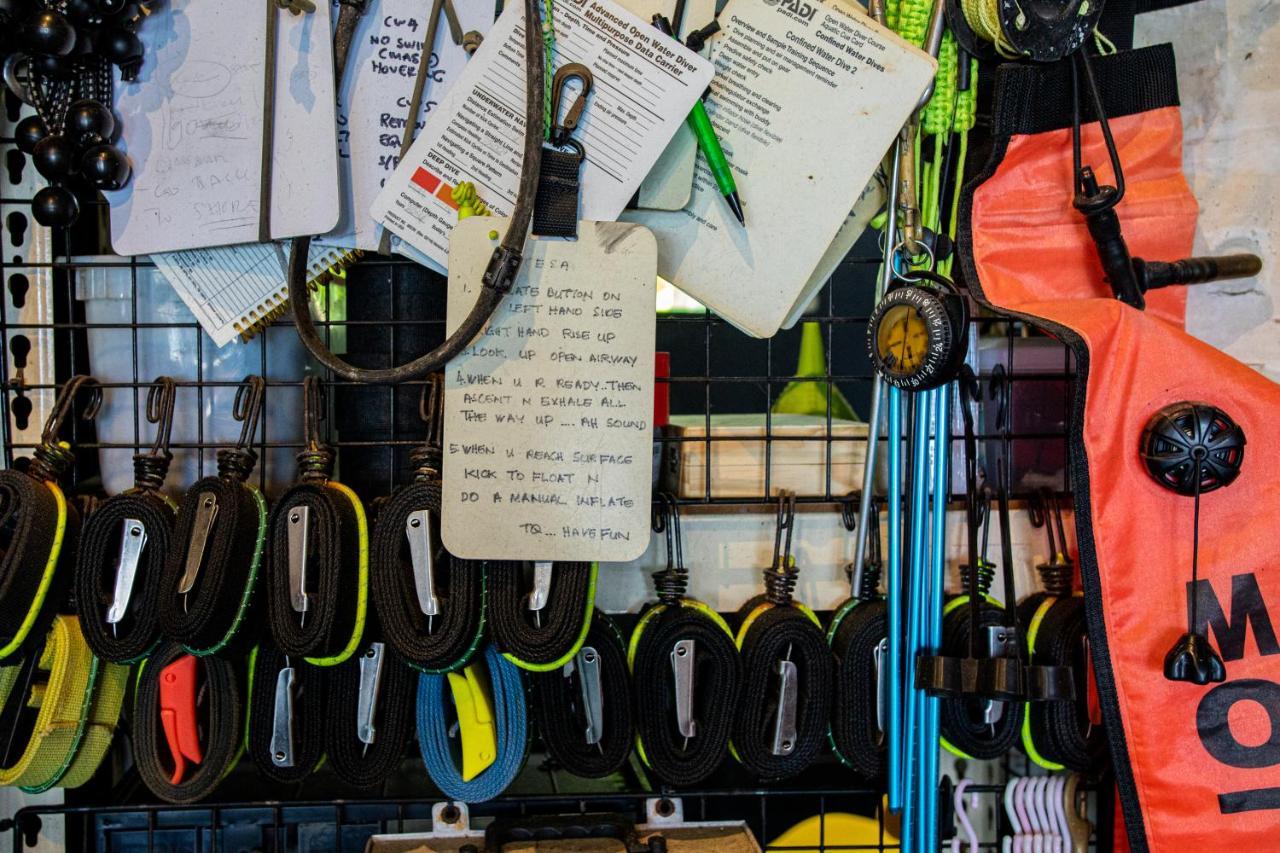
775	69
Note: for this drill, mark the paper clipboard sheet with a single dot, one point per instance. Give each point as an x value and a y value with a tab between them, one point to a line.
193	129
645	85
778	66
869	203
669	184
374	98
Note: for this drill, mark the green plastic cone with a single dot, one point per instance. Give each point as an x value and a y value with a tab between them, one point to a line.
809	397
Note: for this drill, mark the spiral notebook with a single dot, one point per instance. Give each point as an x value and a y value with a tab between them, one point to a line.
236	291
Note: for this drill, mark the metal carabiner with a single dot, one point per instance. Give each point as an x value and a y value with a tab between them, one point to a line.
561	130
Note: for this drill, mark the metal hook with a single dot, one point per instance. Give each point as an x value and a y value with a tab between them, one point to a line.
247	407
561	130
65	404
998	390
314	403
849	511
785	522
673	513
160	401
1038	513
431	409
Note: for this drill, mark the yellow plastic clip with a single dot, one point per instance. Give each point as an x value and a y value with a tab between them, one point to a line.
479	735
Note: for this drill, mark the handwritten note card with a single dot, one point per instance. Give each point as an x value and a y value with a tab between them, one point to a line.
373	103
549	413
645	85
193	129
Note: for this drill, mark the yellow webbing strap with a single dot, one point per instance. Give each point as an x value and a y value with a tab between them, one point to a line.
65	719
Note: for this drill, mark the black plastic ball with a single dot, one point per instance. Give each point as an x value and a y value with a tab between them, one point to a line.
120	46
53	67
55	207
49	33
89	123
87	12
111	8
105	167
12	10
54	157
28	133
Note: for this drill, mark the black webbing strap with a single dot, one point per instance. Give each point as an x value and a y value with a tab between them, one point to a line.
40	528
310	708
782	632
562	720
358	764
555	207
962	718
1060	728
515	630
717	685
221	700
135	632
332	568
449	640
206	602
215	614
856	736
130	639
29	533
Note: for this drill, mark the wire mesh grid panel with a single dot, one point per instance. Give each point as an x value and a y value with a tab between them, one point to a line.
737	434
739	431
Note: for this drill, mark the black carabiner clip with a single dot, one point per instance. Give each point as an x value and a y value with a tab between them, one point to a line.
562	130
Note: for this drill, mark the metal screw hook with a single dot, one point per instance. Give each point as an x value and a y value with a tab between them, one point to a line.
247	407
65	404
160	402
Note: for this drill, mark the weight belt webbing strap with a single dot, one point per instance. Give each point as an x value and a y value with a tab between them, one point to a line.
855	632
717	685
562	719
564	620
310	707
1057	733
221	738
75	711
393	720
219	604
456	632
38	530
132	638
511	721
961	719
337	574
768	636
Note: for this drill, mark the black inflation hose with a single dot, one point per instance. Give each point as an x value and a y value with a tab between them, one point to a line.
503	265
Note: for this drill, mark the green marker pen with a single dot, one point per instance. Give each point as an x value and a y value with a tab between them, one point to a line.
700	124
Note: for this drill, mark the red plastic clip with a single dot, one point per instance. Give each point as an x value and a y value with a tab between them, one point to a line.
178	714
